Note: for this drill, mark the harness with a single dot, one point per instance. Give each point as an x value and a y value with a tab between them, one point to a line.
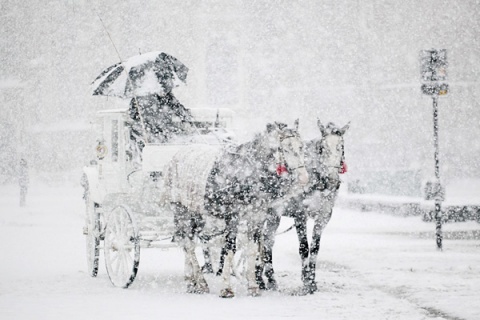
322	179
323	183
282	166
251	153
342	166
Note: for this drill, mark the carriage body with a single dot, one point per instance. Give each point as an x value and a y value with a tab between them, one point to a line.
124	207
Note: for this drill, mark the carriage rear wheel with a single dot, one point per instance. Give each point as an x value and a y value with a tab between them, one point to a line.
122	247
92	233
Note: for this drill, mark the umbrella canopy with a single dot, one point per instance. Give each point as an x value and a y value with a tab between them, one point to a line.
149	73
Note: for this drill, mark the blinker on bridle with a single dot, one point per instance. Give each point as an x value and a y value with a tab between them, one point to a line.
322	148
282	155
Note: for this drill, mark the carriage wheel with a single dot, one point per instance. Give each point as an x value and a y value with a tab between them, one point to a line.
92	233
122	247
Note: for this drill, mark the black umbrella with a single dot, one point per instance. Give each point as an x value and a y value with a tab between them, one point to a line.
145	74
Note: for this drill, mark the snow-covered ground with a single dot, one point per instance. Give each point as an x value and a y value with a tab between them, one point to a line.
371	266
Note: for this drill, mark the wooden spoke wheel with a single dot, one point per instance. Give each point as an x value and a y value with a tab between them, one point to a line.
122	247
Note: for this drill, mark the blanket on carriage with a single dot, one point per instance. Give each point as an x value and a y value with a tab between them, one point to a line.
185	176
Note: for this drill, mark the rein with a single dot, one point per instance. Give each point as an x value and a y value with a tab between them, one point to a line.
286	230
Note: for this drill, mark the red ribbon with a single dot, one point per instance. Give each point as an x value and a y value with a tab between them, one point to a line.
281	169
343	169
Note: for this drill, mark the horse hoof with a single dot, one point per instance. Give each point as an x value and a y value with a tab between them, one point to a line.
198	289
311	287
190	287
207	268
272	286
305	290
254	292
300	292
261	285
227	293
202	289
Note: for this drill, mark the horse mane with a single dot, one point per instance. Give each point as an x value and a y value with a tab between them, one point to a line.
253	149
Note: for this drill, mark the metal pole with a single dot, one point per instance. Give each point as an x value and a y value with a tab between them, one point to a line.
135	100
438	203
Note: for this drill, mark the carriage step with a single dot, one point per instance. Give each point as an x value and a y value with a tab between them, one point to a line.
157	245
151	235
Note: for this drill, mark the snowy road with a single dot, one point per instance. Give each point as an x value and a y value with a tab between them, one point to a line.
371	266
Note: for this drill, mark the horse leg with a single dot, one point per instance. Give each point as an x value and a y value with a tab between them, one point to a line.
207	266
260	261
230	248
301	228
271	226
184	231
195	281
221	262
188	271
310	286
320	223
252	256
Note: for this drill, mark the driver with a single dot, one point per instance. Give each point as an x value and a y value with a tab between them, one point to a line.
163	117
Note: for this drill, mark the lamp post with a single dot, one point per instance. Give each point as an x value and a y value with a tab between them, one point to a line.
433	71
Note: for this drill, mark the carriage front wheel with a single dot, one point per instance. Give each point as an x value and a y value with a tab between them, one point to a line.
122	247
92	233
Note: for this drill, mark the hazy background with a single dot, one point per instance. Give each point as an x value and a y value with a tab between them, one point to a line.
339	60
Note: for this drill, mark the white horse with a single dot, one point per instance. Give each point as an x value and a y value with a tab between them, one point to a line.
231	185
324	161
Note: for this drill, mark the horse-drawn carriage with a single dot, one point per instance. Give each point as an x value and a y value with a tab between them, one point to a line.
124	212
141	194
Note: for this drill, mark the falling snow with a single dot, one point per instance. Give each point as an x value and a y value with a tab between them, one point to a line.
251	62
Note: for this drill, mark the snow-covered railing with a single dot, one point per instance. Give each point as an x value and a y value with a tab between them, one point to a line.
409	206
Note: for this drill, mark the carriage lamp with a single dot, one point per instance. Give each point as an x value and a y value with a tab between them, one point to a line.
101	150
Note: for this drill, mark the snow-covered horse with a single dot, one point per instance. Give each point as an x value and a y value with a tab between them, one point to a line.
324	161
231	185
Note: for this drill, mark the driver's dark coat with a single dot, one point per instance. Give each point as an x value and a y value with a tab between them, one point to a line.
159	113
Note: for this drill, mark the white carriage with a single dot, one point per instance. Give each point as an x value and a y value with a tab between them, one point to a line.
124	212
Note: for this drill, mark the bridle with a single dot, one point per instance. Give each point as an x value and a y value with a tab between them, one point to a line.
281	152
324	151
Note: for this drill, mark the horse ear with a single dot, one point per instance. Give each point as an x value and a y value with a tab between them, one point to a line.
296	124
281	125
345	128
321	127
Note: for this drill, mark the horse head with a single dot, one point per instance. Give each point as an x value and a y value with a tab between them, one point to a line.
330	147
288	150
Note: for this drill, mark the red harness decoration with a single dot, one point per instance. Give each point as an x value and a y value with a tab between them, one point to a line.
281	169
343	168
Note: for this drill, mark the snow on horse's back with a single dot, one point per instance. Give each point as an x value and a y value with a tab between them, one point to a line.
186	175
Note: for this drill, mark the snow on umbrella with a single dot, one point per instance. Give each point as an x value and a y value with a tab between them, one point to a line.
153	72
